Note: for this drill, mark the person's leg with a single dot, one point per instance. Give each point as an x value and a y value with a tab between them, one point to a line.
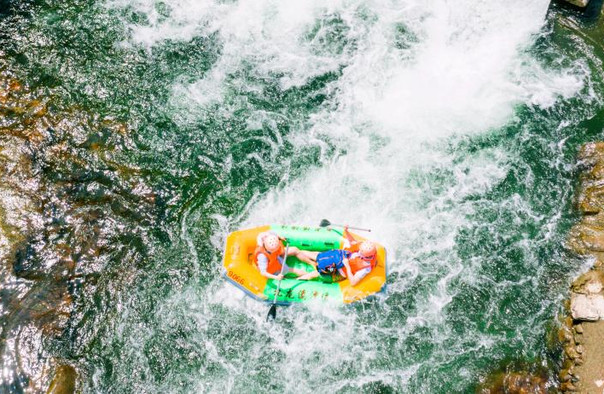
290	270
287	269
309	275
298	272
306	256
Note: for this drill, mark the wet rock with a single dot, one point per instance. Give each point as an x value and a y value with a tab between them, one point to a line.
584	357
68	201
577	338
571	352
591	153
587	307
64	381
591	200
585	238
578	3
589	283
564	335
515	382
568	386
565	374
568	364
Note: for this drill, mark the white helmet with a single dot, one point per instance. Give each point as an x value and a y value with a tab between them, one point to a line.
368	249
272	243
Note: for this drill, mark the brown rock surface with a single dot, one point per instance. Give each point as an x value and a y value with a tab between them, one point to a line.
582	337
590	199
591	282
591	153
64	381
514	383
591	372
586	238
67	193
579	3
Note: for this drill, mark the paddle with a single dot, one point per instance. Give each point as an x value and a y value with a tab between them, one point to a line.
272	312
325	223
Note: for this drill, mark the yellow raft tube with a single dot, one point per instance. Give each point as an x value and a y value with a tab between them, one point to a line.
241	270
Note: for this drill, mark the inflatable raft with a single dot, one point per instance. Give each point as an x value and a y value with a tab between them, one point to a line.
241	270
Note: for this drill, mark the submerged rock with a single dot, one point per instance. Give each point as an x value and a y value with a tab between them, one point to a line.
68	201
64	381
514	382
578	3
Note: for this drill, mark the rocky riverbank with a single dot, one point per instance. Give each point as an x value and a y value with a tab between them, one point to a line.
582	333
66	196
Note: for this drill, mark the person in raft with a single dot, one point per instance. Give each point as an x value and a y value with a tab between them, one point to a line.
269	256
354	262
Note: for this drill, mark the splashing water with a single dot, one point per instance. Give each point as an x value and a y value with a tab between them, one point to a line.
448	129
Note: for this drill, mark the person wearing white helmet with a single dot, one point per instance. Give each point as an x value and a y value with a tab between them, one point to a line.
362	260
269	253
355	261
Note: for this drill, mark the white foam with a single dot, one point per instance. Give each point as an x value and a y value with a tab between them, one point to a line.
393	111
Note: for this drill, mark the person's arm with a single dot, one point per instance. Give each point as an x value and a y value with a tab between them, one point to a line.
356	278
349	236
349	242
348	270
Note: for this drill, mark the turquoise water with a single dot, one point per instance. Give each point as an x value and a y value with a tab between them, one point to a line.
449	129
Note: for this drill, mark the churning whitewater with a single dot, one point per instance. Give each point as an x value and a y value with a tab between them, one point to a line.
448	128
418	109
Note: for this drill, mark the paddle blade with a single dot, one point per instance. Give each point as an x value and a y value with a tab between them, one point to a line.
272	313
324	223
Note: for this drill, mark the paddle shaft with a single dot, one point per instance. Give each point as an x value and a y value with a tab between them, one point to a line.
326	222
281	273
272	312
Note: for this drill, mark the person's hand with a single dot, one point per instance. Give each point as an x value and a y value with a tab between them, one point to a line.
280	277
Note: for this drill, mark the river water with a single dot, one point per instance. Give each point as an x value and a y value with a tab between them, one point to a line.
448	128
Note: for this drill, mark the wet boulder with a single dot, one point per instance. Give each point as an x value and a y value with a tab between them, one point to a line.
515	382
586	238
590	197
590	283
579	3
587	297
64	381
587	307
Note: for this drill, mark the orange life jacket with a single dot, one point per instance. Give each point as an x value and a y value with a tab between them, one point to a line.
274	265
357	263
354	247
